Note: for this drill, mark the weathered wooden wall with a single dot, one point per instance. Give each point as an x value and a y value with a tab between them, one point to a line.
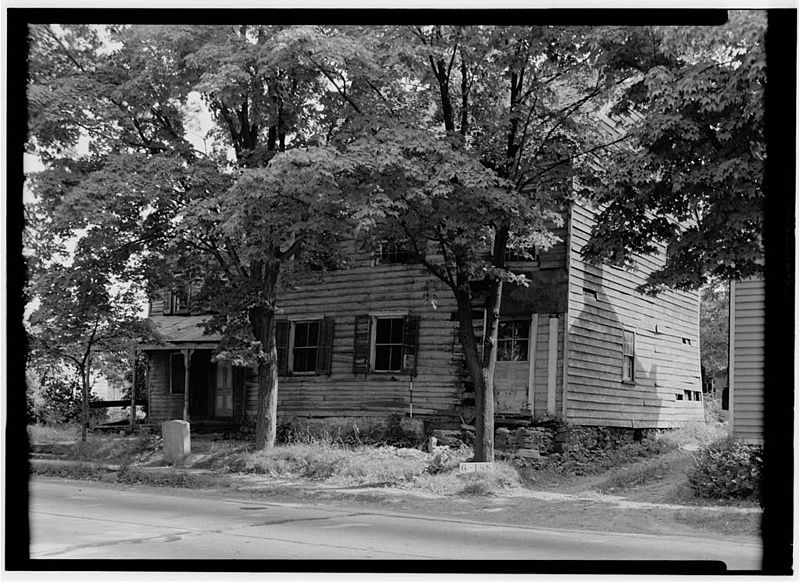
162	405
746	366
602	303
362	289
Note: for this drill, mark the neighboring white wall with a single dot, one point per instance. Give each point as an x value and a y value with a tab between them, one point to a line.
746	365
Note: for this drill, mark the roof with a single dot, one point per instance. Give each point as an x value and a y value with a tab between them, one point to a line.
182	328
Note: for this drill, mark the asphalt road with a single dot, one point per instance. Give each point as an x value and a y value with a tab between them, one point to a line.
78	519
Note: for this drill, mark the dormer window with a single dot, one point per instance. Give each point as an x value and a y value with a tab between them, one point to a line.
179	300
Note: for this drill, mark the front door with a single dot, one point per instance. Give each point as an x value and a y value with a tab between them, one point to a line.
512	372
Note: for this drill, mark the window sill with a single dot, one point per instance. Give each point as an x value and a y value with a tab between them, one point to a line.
628	382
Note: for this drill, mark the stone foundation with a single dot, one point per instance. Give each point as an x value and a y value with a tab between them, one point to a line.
562	438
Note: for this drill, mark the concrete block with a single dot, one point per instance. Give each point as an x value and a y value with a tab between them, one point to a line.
177	442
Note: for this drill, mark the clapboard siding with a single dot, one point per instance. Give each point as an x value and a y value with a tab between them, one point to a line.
162	405
362	289
602	303
747	359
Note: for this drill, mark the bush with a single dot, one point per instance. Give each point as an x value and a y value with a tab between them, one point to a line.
60	401
727	469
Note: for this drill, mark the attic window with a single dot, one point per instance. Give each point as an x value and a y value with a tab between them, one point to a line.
590	293
390	252
514	256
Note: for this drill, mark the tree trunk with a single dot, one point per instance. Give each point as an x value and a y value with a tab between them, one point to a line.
481	372
84	402
262	322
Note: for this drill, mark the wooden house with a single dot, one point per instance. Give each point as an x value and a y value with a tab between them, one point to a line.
746	360
578	345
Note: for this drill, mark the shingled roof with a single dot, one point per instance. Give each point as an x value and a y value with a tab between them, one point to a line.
178	329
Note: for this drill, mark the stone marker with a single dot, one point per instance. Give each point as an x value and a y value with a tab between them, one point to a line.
177	443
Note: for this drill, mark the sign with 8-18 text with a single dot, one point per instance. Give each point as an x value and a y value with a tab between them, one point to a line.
476	467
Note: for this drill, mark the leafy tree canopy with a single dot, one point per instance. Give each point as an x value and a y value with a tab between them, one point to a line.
692	178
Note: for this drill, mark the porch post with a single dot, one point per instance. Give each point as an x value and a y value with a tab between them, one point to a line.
187	362
133	393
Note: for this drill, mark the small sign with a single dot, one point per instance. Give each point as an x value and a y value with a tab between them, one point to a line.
476	467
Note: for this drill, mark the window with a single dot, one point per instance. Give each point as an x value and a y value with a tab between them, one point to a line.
385	342
390	252
628	354
512	341
177	374
388	344
516	256
304	347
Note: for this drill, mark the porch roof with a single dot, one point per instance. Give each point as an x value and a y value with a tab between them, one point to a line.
181	329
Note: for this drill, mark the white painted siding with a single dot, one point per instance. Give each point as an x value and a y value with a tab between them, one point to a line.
747	359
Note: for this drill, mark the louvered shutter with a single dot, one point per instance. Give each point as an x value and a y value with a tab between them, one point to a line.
324	346
410	340
361	344
282	343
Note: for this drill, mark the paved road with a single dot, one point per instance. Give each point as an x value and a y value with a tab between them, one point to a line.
77	519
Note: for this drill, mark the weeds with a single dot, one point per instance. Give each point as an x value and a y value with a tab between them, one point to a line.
636	475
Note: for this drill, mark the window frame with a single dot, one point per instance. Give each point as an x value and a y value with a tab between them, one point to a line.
373	345
526	323
291	347
631	356
381	254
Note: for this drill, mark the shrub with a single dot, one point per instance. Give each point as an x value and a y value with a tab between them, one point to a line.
727	469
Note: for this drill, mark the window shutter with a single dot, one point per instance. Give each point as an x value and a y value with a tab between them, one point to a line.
282	343
361	347
410	335
325	346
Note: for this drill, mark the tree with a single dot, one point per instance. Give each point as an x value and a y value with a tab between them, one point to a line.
81	316
244	215
714	305
692	176
475	136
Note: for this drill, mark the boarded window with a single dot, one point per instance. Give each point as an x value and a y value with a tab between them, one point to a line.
628	354
512	341
177	374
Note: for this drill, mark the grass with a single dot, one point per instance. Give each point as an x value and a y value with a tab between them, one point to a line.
721	522
636	475
53	433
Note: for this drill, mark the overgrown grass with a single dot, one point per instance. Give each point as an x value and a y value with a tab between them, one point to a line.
53	433
636	475
696	433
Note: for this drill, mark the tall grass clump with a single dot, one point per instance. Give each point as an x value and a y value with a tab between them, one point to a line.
728	469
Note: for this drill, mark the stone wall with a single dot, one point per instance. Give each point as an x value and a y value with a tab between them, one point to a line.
562	438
